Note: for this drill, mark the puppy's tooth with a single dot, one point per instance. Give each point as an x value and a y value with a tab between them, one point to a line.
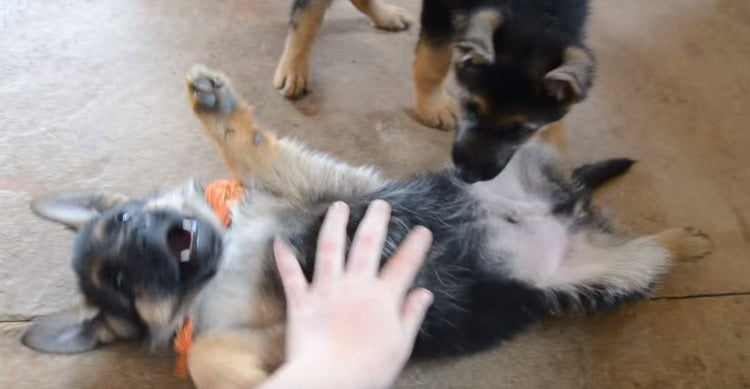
185	255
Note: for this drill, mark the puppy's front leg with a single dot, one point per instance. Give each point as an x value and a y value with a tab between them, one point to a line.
246	148
235	359
255	157
292	71
432	62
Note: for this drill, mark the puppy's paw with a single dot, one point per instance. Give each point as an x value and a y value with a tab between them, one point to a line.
290	77
687	244
437	110
209	91
391	18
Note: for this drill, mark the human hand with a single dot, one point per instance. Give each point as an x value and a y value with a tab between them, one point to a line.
352	327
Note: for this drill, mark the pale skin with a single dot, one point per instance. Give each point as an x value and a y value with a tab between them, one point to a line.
352	327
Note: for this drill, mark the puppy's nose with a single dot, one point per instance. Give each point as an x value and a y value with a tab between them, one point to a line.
467	175
460	157
465	163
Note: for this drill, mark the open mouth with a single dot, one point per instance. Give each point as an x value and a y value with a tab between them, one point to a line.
180	239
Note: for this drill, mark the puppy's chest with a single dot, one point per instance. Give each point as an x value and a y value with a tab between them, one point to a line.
242	293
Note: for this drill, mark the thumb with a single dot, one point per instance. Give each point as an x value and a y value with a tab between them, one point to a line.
415	307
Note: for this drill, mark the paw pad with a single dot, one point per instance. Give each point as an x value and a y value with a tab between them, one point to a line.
209	91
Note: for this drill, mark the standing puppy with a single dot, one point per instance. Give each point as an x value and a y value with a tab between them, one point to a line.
292	71
521	64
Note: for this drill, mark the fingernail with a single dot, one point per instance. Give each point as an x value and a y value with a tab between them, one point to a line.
423	231
425	297
277	244
380	205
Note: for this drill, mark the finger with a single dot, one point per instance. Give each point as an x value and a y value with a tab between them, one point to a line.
329	254
415	307
403	266
292	278
365	253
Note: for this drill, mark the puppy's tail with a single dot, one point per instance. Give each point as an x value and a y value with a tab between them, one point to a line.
591	176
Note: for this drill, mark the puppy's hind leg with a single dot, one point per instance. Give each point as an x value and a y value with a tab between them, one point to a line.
256	157
600	270
238	359
292	71
384	15
685	244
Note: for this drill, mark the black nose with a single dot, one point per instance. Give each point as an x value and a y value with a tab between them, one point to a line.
461	158
466	175
474	167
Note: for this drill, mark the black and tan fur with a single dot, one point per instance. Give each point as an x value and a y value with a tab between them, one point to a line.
506	252
520	65
292	72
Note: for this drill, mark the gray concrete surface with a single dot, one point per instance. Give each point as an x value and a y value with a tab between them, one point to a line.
91	96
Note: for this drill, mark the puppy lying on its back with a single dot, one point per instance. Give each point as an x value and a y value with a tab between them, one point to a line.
506	252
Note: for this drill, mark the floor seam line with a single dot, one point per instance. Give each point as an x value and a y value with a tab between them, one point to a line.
703	295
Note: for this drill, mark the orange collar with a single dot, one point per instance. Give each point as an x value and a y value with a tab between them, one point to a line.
220	194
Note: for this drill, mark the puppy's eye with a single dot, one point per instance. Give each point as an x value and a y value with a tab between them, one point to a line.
122	217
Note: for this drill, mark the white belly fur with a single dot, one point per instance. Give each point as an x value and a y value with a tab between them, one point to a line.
542	250
532	242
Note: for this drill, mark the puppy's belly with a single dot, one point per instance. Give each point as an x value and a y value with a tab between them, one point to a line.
532	247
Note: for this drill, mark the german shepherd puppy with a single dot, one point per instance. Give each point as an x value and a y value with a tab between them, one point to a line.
506	252
521	64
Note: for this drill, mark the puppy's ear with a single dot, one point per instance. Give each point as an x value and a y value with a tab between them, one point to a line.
475	45
77	329
75	209
569	83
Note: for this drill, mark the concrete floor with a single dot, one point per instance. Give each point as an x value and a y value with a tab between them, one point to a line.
92	97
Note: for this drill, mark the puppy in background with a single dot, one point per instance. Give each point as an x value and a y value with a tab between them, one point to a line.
520	65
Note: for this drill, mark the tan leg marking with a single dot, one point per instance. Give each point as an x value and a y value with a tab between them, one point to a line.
228	120
433	105
247	148
257	158
292	71
686	243
241	359
555	136
383	15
